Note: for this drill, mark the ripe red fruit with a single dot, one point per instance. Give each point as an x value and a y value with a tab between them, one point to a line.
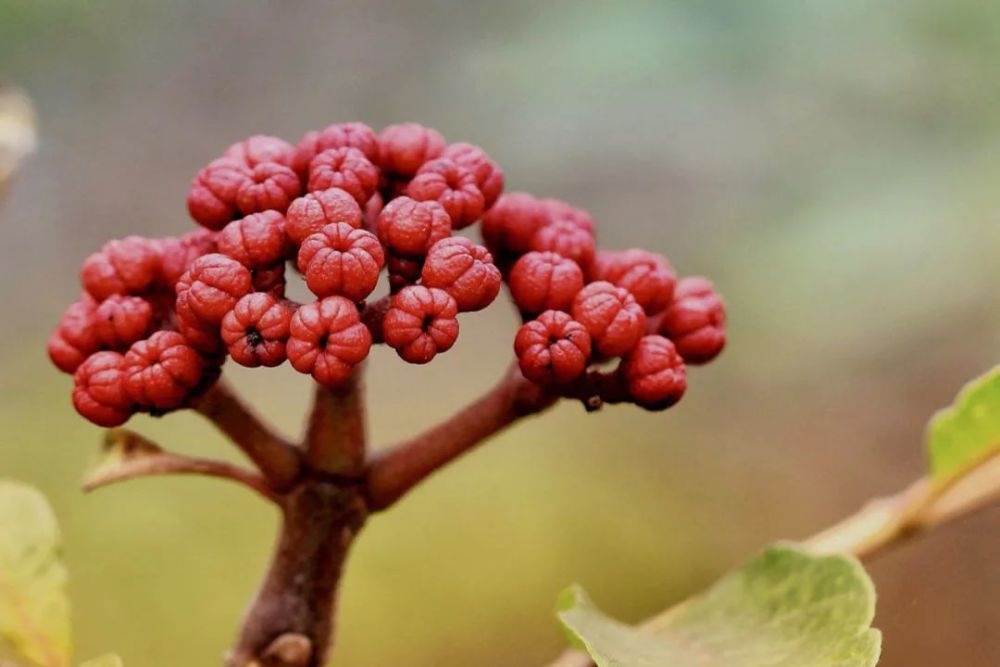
557	209
75	337
344	168
99	390
311	213
126	266
261	148
648	276
342	260
161	371
271	187
201	336
511	224
654	373
612	317
177	254
404	147
489	176
270	279
339	135
211	200
256	241
211	287
327	340
568	239
120	321
403	271
409	227
420	323
544	281
256	330
464	270
452	186
696	320
552	349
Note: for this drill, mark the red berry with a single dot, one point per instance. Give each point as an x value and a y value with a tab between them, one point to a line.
513	221
212	285
552	349
403	271
556	209
406	146
421	323
203	337
344	168
341	260
75	337
328	340
452	186
696	320
648	276
126	266
257	240
260	148
211	201
177	254
544	281
613	319
568	239
340	135
489	176
271	187
162	370
408	227
270	279
311	213
464	270
256	329
99	390
122	320
654	373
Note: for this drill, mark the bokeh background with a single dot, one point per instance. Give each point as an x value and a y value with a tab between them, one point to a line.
833	165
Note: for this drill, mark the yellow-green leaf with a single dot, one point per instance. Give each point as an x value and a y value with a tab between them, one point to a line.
785	608
34	610
109	660
969	430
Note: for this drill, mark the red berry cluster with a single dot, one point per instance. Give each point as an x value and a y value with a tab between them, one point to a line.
583	308
158	317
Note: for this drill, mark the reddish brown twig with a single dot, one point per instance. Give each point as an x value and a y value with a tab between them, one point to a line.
335	441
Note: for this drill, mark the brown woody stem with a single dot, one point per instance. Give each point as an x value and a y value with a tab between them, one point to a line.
393	472
335	441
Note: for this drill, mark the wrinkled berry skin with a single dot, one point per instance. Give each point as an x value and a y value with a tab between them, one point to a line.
409	227
127	266
256	329
341	260
464	270
405	147
99	390
211	287
344	168
75	337
648	276
120	321
696	320
255	241
161	371
177	254
542	281
654	373
452	186
211	200
511	225
567	239
339	135
270	279
489	176
271	187
613	318
327	340
556	210
311	213
421	323
260	148
552	349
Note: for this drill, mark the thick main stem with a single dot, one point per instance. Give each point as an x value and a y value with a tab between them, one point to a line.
290	621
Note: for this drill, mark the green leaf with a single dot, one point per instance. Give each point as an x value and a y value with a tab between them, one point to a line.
785	608
122	455
968	430
34	610
109	660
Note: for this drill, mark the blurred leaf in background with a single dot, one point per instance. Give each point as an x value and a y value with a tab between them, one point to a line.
17	132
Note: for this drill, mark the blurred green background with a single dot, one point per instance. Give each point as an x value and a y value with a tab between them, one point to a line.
833	165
